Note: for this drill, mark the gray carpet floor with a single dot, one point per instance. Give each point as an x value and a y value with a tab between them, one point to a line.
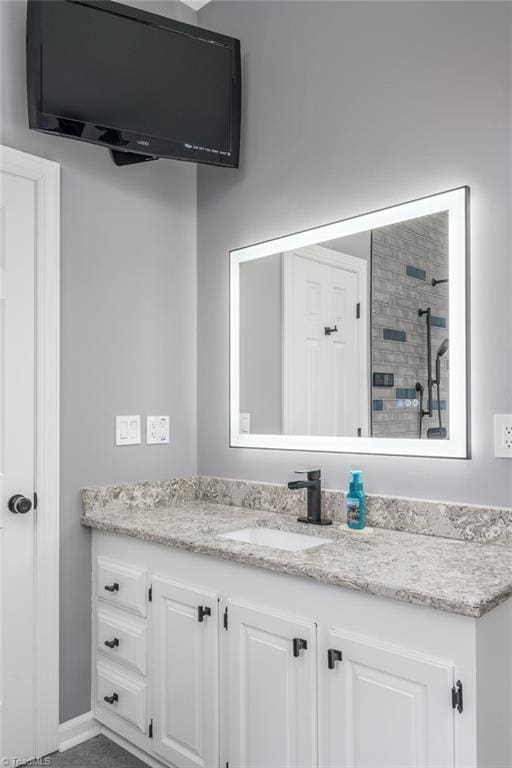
98	752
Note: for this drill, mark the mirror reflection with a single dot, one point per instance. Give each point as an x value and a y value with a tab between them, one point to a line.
349	336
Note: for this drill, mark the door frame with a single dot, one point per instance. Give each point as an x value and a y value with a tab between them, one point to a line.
46	177
349	263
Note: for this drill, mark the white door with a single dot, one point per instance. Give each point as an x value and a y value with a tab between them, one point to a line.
325	344
17	462
271	690
384	708
185	675
29	459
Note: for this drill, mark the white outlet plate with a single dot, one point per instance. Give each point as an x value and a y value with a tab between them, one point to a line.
157	430
128	430
503	435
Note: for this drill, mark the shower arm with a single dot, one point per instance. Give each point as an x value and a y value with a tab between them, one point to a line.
430	381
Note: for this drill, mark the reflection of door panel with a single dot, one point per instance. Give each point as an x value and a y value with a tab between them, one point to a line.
325	383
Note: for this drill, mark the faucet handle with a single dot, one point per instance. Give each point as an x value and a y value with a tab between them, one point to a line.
312	474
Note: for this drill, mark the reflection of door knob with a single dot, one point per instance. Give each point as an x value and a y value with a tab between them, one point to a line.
328	331
19	503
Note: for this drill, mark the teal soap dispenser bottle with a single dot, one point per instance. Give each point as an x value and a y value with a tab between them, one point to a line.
356	502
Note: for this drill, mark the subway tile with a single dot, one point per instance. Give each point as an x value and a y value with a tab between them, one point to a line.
419	274
406	393
439	322
378	405
391	335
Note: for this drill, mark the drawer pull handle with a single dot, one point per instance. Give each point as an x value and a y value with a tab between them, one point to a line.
299	644
112	643
333	656
202	611
112	587
111	699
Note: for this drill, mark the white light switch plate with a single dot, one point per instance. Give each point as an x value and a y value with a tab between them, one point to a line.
503	435
128	430
157	430
245	423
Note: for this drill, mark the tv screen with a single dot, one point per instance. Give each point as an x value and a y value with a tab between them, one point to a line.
133	81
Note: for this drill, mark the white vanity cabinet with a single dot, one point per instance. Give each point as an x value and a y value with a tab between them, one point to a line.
185	682
272	689
384	706
224	664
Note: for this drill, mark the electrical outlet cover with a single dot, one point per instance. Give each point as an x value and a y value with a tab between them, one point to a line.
157	430
503	435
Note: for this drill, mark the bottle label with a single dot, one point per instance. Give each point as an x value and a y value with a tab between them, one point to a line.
353	511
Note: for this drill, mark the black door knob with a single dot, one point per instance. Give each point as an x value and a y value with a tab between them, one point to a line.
19	503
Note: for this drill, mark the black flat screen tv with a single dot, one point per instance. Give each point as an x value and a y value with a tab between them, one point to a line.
141	84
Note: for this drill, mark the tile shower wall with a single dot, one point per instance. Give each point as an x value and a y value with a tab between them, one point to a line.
405	259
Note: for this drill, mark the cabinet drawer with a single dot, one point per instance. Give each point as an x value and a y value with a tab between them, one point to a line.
123	696
122	584
123	640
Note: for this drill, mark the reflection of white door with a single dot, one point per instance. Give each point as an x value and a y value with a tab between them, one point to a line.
29	543
325	388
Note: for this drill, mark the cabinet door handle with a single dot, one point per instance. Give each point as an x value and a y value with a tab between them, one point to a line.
202	611
333	655
299	644
112	587
111	699
112	643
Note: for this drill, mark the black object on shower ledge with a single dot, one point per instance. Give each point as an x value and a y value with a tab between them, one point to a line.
420	389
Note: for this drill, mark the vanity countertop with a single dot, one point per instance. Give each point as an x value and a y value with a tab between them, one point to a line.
460	577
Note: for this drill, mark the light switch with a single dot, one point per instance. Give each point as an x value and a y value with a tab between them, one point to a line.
128	430
157	430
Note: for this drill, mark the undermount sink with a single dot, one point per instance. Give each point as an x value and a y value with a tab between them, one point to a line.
270	537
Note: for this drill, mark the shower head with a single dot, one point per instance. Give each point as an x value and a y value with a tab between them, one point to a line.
443	348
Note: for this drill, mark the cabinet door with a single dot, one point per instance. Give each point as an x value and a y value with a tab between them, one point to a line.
381	707
185	675
272	690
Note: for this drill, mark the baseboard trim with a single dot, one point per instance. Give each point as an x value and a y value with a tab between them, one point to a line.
78	730
131	748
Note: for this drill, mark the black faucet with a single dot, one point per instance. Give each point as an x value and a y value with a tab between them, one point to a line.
314	486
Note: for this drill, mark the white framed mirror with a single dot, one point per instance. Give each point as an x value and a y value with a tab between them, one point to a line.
353	336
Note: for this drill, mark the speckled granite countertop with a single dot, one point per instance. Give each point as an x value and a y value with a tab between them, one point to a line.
451	575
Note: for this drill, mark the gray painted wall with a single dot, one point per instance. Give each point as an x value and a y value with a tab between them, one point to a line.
128	327
261	343
349	107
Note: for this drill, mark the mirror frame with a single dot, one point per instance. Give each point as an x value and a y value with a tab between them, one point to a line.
456	202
